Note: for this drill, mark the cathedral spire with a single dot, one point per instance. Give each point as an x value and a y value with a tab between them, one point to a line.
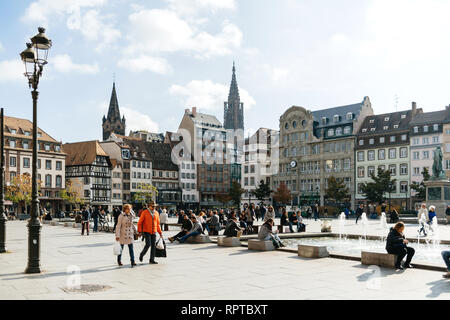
113	122
233	109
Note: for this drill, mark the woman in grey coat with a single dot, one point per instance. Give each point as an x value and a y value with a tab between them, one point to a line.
265	233
125	231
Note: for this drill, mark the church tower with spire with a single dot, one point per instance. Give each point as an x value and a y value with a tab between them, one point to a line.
113	122
233	109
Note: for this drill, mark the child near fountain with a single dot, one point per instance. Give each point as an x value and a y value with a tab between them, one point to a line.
397	244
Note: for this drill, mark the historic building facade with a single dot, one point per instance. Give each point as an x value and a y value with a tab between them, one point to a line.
446	145
426	131
88	167
113	122
315	145
260	162
383	141
51	161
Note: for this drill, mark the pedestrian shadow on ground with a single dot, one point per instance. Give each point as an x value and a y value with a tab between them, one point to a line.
92	245
245	251
44	275
215	246
375	271
439	287
296	257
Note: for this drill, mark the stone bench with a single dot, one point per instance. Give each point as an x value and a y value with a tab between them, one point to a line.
199	239
45	222
54	223
378	258
308	251
259	245
76	225
228	242
67	224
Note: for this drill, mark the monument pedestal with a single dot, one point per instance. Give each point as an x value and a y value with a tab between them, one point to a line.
438	195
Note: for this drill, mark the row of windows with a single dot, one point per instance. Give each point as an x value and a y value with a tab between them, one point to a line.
426	128
165	174
141	164
403	170
188	166
425	155
425	140
26	163
392	139
189	197
47	180
311	185
339	131
141	175
403	187
187	175
371	154
188	186
26	144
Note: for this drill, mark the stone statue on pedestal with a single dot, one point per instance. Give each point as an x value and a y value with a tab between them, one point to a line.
438	173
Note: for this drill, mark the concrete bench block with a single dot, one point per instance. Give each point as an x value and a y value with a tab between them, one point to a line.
45	222
228	242
259	245
54	223
76	225
308	251
378	259
67	224
199	239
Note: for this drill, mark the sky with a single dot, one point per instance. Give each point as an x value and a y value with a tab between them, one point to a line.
169	55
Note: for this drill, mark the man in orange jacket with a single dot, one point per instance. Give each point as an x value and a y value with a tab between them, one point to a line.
148	226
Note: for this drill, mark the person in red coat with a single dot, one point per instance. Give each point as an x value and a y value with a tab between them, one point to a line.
148	226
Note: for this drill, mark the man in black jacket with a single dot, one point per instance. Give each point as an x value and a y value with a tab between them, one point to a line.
447	213
85	216
397	244
232	229
116	214
359	212
185	228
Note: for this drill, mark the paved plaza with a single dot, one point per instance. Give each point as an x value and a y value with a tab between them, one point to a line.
201	271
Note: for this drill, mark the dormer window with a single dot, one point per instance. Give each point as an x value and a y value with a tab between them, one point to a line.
336	119
324	120
425	128
338	131
330	132
47	147
435	127
364	130
385	127
395	126
386	119
39	134
27	133
13	131
347	130
349	116
372	129
403	116
372	121
416	129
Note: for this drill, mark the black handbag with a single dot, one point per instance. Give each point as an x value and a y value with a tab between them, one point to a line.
161	253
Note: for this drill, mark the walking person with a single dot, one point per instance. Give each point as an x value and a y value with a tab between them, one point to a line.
125	233
359	212
164	219
148	226
431	214
95	216
85	217
116	214
397	244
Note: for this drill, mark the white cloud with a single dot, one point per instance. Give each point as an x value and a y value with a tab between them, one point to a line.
1	47
63	63
12	70
41	11
208	95
192	7
146	63
136	120
276	74
159	31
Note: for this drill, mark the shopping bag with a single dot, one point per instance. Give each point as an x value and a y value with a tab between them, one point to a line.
161	253
117	249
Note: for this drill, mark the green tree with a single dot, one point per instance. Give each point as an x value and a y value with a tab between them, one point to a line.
382	184
420	187
72	193
19	191
337	190
283	194
236	192
262	191
146	193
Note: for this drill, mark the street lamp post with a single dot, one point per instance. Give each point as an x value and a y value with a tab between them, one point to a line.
2	193
35	58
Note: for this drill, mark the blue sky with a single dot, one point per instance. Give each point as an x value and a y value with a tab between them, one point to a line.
169	55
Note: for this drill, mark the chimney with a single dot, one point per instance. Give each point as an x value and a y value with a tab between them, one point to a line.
414	108
194	111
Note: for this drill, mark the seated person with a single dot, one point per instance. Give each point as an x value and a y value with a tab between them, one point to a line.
294	220
265	233
431	214
185	228
195	230
48	217
398	245
232	229
284	220
213	224
393	216
446	257
243	221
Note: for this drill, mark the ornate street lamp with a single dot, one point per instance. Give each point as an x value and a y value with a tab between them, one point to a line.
2	193
35	58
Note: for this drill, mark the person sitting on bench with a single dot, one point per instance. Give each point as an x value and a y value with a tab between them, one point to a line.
265	233
398	245
293	219
195	230
185	228
232	229
213	224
